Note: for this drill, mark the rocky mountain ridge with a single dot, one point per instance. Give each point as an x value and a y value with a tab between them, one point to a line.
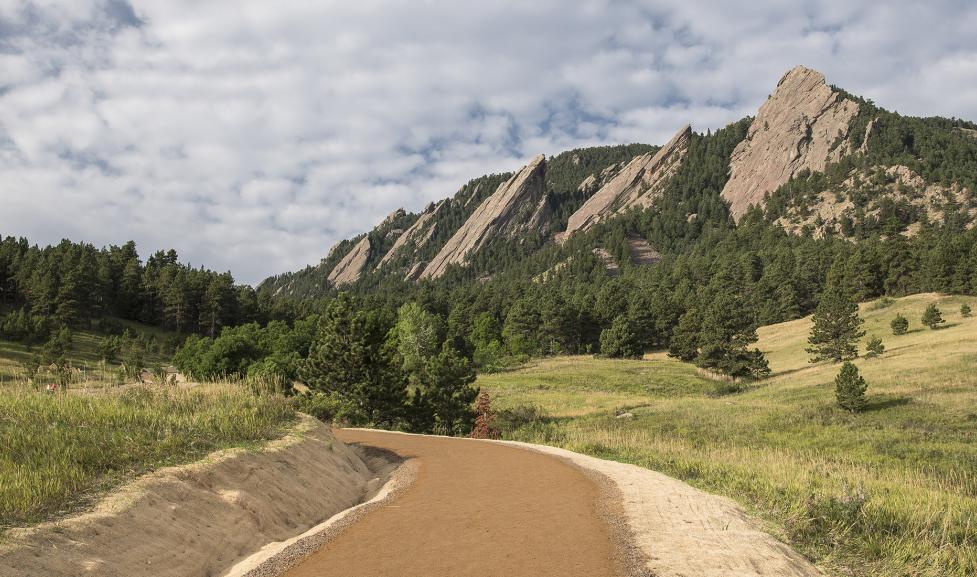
806	128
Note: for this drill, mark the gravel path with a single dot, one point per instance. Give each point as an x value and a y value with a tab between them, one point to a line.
481	509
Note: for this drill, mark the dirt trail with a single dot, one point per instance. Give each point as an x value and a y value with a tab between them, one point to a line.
483	509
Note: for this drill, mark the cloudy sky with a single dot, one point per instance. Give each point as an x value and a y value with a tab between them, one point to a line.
250	135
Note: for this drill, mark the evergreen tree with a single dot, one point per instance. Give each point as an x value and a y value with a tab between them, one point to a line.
874	347
965	311
448	392
352	358
900	325
837	326
932	317
685	338
521	326
850	388
726	333
620	340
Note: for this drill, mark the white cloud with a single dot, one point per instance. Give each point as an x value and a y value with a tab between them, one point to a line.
252	135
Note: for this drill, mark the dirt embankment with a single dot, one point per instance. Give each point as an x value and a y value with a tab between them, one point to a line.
201	519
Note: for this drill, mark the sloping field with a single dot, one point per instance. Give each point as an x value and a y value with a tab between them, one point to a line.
891	491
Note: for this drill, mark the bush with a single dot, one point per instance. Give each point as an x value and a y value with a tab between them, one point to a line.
323	406
874	347
900	325
850	388
484	418
932	316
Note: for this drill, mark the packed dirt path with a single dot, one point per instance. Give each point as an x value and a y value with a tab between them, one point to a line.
482	509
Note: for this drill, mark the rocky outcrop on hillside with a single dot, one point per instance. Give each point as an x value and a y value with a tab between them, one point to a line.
517	206
638	184
419	233
349	269
885	187
804	124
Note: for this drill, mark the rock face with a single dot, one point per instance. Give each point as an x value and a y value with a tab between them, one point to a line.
420	232
804	124
638	184
349	269
517	206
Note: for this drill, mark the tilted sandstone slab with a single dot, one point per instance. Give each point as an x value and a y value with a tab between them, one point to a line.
349	269
804	124
517	206
638	184
420	232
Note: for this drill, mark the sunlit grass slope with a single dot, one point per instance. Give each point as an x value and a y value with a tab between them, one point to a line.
83	356
59	451
891	491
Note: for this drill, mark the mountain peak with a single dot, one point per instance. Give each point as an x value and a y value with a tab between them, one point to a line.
803	125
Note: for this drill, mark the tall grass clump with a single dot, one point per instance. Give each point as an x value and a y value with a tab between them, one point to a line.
60	451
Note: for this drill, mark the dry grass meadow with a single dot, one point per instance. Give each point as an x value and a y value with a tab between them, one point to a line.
891	491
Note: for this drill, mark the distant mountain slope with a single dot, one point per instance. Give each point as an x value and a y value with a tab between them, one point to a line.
815	159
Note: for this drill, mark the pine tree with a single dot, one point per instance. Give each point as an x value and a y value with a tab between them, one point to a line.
684	344
874	347
850	388
726	332
965	311
836	330
900	325
932	316
620	340
352	358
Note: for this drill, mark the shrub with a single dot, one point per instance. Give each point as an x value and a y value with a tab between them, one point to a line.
850	388
900	325
323	406
484	417
932	316
874	347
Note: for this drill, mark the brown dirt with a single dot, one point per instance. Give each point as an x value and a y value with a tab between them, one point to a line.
477	508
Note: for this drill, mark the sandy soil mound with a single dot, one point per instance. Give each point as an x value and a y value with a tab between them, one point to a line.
202	518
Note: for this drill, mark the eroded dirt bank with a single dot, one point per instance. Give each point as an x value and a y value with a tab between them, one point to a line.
201	519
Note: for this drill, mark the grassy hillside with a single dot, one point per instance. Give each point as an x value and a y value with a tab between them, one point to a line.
60	452
891	491
85	358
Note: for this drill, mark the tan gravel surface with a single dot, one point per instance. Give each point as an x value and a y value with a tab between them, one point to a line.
480	509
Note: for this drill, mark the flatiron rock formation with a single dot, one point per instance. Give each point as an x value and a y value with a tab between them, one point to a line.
349	269
420	232
804	124
517	206
638	184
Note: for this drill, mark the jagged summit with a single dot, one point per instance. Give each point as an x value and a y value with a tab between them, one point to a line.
818	160
803	125
518	205
637	184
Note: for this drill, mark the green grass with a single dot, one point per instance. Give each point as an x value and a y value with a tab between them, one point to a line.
83	356
60	452
891	491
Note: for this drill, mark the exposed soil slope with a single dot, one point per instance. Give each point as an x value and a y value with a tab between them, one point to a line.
198	520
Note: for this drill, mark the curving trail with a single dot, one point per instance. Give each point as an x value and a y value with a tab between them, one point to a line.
476	509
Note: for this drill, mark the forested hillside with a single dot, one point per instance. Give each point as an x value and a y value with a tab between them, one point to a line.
76	285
